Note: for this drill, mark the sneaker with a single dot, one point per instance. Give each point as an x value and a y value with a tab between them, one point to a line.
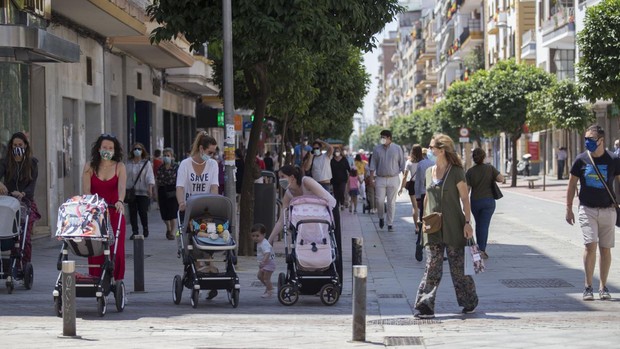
381	223
467	310
588	294
424	312
390	228
484	255
603	294
267	294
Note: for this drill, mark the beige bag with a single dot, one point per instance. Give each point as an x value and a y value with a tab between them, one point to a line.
432	223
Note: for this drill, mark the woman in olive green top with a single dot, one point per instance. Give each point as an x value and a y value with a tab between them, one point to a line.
446	189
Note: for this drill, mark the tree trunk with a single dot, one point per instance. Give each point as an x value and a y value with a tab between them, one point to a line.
513	165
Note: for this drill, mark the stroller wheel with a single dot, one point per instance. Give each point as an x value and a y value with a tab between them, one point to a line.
177	289
288	295
102	306
233	297
28	276
119	296
58	306
194	298
281	280
329	294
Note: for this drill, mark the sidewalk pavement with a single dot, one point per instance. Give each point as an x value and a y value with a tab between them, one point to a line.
530	294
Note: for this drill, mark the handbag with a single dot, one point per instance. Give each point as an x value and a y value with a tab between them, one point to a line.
171	194
473	261
130	193
497	194
433	221
611	195
410	186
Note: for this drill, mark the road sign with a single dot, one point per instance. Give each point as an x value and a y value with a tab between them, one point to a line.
463	139
464	132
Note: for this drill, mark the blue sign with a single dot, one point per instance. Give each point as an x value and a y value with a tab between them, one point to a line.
247	125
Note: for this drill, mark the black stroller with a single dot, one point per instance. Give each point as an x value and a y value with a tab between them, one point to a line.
13	234
84	228
206	242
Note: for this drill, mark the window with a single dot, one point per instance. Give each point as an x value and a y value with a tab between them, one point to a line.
139	81
89	71
563	64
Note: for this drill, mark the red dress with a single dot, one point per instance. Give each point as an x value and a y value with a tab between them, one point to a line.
108	190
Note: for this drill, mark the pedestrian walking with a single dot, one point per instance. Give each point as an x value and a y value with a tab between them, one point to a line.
340	175
198	174
319	163
595	170
369	185
106	176
140	177
408	182
561	157
166	192
264	257
19	172
480	178
420	194
354	185
617	147
446	193
301	150
388	162
360	165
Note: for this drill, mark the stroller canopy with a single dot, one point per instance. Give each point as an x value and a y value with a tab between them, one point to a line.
84	216
9	212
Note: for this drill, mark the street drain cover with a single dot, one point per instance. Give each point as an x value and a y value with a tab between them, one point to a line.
403	322
535	283
398	341
396	295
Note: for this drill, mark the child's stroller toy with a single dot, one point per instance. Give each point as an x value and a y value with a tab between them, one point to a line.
13	233
84	228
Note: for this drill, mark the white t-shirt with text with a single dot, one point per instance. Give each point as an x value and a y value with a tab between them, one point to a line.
194	183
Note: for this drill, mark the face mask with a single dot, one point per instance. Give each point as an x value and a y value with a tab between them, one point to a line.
205	156
137	152
106	154
591	145
317	152
19	151
167	160
383	141
430	156
337	153
283	183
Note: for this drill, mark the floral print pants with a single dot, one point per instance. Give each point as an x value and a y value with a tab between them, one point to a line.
463	284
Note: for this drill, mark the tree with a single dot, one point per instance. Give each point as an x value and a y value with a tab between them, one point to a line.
370	138
263	33
404	130
598	70
498	100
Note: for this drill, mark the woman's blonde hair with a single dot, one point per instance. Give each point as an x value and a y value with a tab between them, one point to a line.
202	138
446	143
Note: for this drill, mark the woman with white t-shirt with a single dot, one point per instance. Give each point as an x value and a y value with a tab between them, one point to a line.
199	173
411	168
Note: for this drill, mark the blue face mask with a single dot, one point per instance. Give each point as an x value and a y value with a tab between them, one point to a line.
591	144
205	156
431	156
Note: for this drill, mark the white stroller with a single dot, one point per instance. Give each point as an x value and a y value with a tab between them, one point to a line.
311	267
84	228
13	232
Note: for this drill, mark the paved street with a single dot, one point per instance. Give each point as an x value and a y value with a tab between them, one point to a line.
530	295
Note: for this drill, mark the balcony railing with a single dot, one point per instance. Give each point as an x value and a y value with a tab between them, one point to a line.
559	18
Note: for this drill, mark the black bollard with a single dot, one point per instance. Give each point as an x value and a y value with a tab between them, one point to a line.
360	274
357	250
138	263
68	299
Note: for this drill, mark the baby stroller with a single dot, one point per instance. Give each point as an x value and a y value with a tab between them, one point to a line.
311	267
12	240
84	228
205	241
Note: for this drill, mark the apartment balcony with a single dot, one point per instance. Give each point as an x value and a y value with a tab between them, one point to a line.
528	46
468	6
427	79
470	38
197	79
500	19
109	18
164	55
559	30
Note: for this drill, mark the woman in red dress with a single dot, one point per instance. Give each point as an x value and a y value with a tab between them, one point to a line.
105	176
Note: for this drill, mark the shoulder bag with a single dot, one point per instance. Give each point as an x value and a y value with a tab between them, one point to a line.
611	195
432	222
130	193
497	194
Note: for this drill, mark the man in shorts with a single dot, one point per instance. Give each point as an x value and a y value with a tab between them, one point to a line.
597	215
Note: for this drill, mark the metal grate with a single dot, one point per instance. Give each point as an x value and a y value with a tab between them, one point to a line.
535	283
398	341
395	295
404	322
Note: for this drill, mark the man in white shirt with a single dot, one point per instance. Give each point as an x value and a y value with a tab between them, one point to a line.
320	163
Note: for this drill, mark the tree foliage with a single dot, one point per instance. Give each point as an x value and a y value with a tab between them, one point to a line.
558	105
370	138
598	69
266	34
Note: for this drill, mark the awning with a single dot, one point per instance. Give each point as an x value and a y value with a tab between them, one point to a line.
31	44
161	56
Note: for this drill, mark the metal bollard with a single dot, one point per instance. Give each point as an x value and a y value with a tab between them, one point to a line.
68	298
360	274
138	263
356	250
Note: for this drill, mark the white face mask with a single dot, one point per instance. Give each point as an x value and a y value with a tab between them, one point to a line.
284	183
383	141
317	152
337	153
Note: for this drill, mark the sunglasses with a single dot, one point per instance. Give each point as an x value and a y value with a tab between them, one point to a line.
137	148
108	135
592	139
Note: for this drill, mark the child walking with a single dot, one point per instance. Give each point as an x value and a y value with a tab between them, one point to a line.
354	189
264	256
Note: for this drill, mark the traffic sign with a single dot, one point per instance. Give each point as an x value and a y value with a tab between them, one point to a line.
464	132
